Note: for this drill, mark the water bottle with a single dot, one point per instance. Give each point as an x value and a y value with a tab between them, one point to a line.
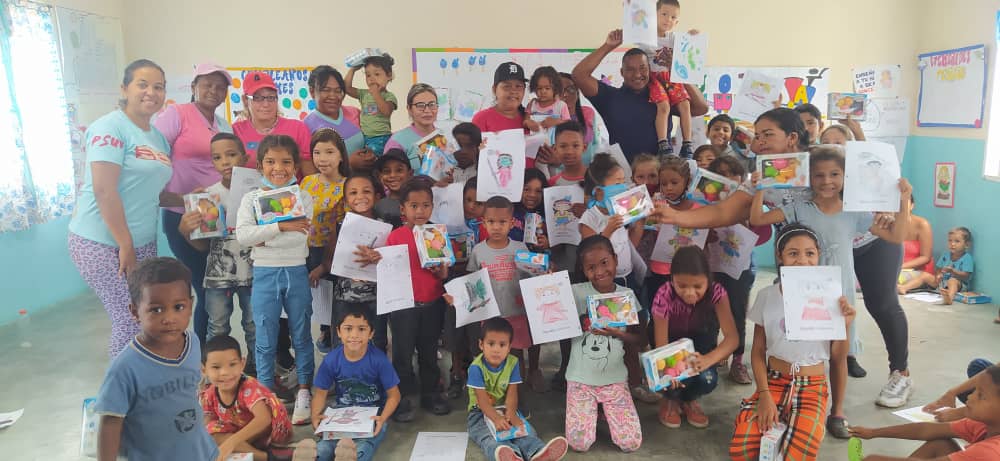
23	327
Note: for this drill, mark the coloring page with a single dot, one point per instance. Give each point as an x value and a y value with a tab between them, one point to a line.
394	271
812	309
551	309
689	59
473	298
448	206
871	179
348	419
671	238
563	226
639	22
444	103
440	446
501	166
756	96
466	104
841	105
357	230
730	253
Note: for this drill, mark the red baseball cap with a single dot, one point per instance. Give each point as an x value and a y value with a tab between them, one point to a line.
254	81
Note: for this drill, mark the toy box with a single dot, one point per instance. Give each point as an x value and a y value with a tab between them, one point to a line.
88	432
783	171
436	163
276	205
532	263
510	434
433	245
357	58
633	204
213	217
843	105
668	362
709	187
534	224
770	443
462	244
618	309
971	297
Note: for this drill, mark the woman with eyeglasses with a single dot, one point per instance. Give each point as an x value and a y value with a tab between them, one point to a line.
326	86
260	96
421	103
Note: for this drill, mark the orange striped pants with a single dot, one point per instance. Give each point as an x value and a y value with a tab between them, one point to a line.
802	405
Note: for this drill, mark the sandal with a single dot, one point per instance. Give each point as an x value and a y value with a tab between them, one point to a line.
837	427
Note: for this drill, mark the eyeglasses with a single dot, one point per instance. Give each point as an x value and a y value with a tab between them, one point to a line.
424	106
569	90
255	98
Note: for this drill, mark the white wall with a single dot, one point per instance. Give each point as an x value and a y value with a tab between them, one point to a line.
111	8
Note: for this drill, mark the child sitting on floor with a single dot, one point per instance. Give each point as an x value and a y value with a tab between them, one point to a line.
954	268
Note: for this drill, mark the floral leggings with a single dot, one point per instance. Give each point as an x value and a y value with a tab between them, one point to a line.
98	265
581	415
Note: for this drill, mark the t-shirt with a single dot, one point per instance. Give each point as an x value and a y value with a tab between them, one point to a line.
406	140
144	158
373	123
347	125
975	432
362	383
493	380
228	264
658	56
490	120
158	399
595	360
328	207
768	311
630	118
503	274
597	221
251	138
964	264
189	134
683	323
558	109
228	419
562	179
426	286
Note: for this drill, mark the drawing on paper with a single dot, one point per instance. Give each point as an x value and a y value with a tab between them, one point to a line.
505	162
730	244
552	308
815	308
478	295
561	209
685	237
347	416
638	16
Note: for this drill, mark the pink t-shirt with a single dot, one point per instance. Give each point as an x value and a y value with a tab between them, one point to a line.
981	448
557	109
189	134
286	126
490	120
668	305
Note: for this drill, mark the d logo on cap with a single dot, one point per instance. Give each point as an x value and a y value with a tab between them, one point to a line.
513	68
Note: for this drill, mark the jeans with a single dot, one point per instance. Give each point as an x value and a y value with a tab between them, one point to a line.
380	328
417	328
195	262
525	447
739	302
696	386
975	367
275	288
366	447
219	305
877	267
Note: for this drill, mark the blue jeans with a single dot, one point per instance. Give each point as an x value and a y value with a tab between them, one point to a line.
975	367
380	328
195	261
525	447
696	386
219	305
366	447
275	288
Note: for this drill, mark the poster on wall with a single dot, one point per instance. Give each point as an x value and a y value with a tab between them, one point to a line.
952	88
294	100
798	85
944	185
882	81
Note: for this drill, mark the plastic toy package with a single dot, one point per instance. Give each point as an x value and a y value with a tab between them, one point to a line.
357	58
667	363
276	205
770	443
633	204
531	263
433	245
783	171
709	187
618	309
436	164
213	217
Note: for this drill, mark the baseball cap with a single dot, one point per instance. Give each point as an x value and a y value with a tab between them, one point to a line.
256	80
392	154
206	68
509	71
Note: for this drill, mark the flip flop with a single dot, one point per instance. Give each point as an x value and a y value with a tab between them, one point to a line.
854	451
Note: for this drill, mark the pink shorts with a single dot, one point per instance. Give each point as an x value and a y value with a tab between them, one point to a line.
522	333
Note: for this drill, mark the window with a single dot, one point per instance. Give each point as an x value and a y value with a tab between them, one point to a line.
991	165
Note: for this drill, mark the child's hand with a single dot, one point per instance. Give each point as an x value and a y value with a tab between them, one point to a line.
225	449
614	39
447	179
847	310
547	156
698	362
779	102
367	256
767	411
578	209
850	123
884	220
864	433
950	414
316	275
295	225
663	214
189	222
500	422
448	299
379	421
441	271
543	242
550	122
676	384
614	223
375	88
515	421
947	270
905	190
612	332
938	278
531	125
945	401
755	179
362	159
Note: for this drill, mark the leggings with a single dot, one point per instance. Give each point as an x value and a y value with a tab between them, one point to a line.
581	415
195	262
877	267
98	265
739	302
801	402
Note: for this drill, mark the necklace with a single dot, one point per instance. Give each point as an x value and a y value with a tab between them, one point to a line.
267	130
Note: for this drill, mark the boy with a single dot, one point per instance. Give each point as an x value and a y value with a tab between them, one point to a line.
149	399
981	428
241	414
812	118
720	132
493	382
360	376
468	136
663	93
392	170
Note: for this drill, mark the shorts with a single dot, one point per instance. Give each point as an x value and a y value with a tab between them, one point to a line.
522	333
660	89
377	143
906	275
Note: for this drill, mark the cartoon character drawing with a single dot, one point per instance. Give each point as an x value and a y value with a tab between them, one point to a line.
505	163
596	348
886	80
435	242
943	183
815	308
477	294
759	91
638	15
873	175
550	305
730	245
684	237
561	211
186	420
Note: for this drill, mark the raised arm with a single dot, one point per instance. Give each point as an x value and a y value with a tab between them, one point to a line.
349	83
584	70
760	218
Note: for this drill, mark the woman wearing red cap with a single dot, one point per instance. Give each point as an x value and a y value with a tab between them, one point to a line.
260	97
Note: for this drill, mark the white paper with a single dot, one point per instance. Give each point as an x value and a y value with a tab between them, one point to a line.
534	141
616	153
671	238
886	117
243	181
501	166
448	206
551	308
560	222
322	305
440	446
639	22
8	419
918	415
240	457
925	297
348	419
757	95
871	182
812	308
473	298
952	87
883	81
357	230
689	58
394	271
730	253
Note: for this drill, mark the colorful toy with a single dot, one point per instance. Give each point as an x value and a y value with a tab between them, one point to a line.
462	245
213	219
534	225
616	309
633	204
783	171
357	58
510	434
667	363
436	163
433	245
531	263
770	443
708	187
278	205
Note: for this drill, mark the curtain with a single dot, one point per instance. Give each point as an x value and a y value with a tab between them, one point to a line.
36	166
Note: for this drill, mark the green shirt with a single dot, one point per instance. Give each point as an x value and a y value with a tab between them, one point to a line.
493	380
373	123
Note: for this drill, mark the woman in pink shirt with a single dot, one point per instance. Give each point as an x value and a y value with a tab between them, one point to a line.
262	118
507	113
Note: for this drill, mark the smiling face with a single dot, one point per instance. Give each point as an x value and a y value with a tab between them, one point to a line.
393	174
672	184
495	346
327	158
424	110
826	178
264	105
225	155
509	94
355	333
666	18
278	166
144	95
224	369
210	90
769	138
635	71
800	250
719	134
569	148
329	98
532	194
599	266
417	207
690	287
359	193
163	312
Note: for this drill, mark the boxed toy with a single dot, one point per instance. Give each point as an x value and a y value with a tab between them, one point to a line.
783	171
633	204
357	58
433	245
971	297
88	431
532	263
708	187
436	164
668	362
514	432
213	217
770	443
462	244
276	205
618	309
842	105
534	224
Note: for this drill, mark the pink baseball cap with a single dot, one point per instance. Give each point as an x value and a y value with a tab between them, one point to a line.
206	68
256	80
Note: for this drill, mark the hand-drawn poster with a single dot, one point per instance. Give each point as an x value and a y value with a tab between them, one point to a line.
357	230
551	308
871	182
884	81
672	238
689	59
799	85
757	95
730	252
394	271
639	22
501	166
811	297
560	222
473	298
952	88
944	184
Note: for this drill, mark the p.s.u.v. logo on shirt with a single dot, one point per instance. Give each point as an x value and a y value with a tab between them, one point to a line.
148	153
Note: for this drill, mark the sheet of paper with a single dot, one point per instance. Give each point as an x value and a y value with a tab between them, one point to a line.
551	309
348	419
672	238
886	118
240	457
689	56
322	305
882	81
925	297
244	180
473	298
639	22
501	165
812	309
918	415
871	179
357	230
757	95
8	419
393	270
448	206
560	222
534	141
440	446
730	252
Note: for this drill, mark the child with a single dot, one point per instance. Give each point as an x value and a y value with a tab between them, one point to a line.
545	110
377	102
392	170
675	179
468	137
692	306
359	376
791	378
326	187
663	93
569	147
645	171
812	118
281	281
980	428
599	378
705	155
162	356
720	133
229	269
954	268
507	113
605	179
241	415
532	201
494	377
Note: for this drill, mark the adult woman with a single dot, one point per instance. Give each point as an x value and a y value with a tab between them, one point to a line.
262	118
114	225
918	248
585	115
188	129
421	103
326	86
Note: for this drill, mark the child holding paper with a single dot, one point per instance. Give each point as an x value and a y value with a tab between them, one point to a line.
661	92
675	179
954	268
377	102
790	375
545	110
507	113
605	179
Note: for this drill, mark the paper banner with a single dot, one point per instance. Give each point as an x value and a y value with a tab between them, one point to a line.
871	179
811	298
473	298
394	271
689	59
672	238
294	100
357	230
501	166
560	222
551	308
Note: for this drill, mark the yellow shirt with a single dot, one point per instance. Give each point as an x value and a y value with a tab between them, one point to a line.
328	207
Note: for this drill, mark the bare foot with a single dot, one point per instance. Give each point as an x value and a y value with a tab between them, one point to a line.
946	298
900	290
305	450
346	450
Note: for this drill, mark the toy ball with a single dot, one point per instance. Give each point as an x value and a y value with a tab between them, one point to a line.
712	187
779	163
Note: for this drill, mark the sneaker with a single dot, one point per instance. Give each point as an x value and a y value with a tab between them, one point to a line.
644	395
404	412
664	148
694	414
456	387
896	392
305	450
302	414
670	413
854	369
739	373
552	451
506	453
435	404
837	427
686	150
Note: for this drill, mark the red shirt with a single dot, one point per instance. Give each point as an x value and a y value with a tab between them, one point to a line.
426	286
981	448
251	138
490	120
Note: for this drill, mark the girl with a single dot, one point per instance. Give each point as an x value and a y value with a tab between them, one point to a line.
507	113
675	179
605	179
599	378
705	155
646	171
532	201
281	281
584	115
790	375
327	190
847	130
545	110
835	229
954	268
692	306
377	102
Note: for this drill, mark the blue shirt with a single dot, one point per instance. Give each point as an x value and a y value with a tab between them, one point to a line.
963	264
144	158
158	399
362	383
630	118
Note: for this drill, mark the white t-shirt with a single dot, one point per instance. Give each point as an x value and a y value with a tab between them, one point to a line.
594	219
768	311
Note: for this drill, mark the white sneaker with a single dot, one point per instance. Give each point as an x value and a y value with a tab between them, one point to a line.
302	413
643	394
896	392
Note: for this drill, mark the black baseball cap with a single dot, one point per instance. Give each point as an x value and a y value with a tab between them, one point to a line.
392	154
508	71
